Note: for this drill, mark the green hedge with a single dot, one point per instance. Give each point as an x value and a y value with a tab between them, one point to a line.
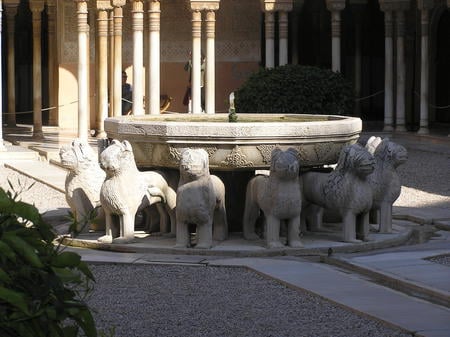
295	89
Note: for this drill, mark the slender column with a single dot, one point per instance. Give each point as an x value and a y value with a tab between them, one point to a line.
269	25
388	67
102	67
138	57
283	38
196	61
335	7
153	91
358	15
424	72
53	78
210	103
36	10
11	11
401	85
2	146
111	65
117	71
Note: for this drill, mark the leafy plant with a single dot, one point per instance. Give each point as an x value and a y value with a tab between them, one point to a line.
42	289
295	89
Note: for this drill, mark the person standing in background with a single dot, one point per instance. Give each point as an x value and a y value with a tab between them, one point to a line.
127	95
187	96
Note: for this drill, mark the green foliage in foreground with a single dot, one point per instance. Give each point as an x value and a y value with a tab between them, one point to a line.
42	289
295	89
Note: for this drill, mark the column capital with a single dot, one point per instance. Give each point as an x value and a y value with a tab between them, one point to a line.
37	5
11	3
335	5
448	3
425	4
394	5
277	5
205	5
118	3
103	5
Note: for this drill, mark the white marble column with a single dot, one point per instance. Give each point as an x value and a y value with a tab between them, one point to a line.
53	78
36	7
196	61
2	146
138	57
388	66
335	7
210	90
424	6
102	68
283	38
400	108
11	11
154	87
117	68
358	12
111	64
269	28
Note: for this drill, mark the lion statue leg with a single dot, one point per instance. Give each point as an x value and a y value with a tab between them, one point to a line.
108	237
182	237
363	226
126	228
294	232
251	210
349	227
204	235
273	232
385	217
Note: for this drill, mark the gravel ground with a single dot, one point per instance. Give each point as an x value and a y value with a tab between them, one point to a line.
149	300
216	301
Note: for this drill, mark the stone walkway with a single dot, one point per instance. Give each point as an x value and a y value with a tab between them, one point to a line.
379	283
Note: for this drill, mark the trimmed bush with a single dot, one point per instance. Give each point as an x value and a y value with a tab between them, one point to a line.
295	89
42	288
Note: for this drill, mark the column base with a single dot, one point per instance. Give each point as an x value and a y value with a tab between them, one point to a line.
400	128
423	131
38	135
388	128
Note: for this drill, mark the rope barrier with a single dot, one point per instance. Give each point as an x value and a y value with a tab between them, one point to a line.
432	105
369	96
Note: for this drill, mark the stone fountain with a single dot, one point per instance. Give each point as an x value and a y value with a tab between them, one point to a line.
235	150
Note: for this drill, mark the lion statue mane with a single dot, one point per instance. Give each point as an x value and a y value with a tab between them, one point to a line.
278	196
345	190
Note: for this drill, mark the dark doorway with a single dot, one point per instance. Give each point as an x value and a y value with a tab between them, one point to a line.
443	69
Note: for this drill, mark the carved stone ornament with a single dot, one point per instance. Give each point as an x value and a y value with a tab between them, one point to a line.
103	5
394	5
266	152
335	5
205	5
118	3
276	5
237	159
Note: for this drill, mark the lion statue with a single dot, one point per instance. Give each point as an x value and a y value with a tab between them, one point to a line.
83	183
278	196
200	201
126	191
384	180
345	190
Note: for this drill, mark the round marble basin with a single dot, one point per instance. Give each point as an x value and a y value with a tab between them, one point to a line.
158	140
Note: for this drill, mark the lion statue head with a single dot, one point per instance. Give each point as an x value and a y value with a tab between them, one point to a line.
386	151
117	158
355	158
194	164
78	156
284	164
